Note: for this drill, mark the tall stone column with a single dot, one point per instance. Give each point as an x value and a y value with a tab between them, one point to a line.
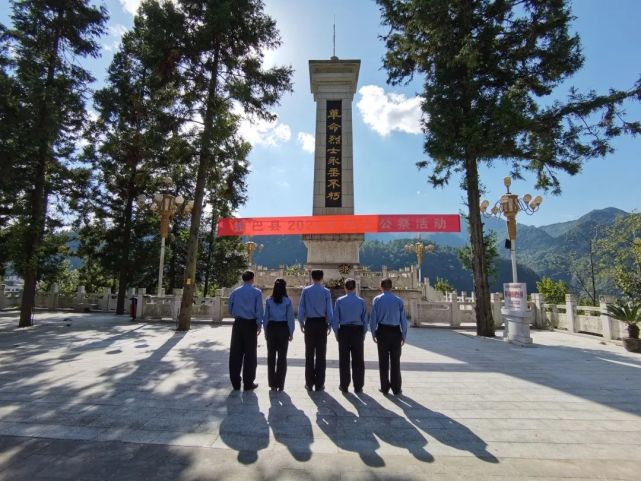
333	84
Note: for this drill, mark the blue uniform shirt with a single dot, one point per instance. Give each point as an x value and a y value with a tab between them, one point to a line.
315	301
283	312
246	301
350	310
388	309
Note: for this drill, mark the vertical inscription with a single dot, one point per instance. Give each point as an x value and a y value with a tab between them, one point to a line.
334	154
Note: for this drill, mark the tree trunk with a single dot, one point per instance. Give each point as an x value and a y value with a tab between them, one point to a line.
37	218
483	307
124	268
212	239
184	319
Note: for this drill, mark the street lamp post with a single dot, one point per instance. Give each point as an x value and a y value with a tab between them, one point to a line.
509	205
514	311
166	204
419	249
251	247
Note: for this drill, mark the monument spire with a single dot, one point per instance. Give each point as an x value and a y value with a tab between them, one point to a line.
334	41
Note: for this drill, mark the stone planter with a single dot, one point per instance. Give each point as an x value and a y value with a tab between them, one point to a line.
631	344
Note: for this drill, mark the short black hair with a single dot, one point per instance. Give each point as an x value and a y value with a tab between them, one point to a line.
386	283
350	284
317	274
248	276
280	290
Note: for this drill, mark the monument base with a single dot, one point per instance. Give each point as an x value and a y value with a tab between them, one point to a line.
337	255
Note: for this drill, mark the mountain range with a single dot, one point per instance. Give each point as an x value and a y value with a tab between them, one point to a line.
541	251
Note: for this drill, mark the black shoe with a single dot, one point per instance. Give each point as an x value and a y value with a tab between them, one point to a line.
384	391
319	389
236	388
342	389
273	389
398	393
308	387
250	387
358	391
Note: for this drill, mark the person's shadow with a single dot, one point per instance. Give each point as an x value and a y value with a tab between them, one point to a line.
244	428
345	429
290	426
390	427
443	428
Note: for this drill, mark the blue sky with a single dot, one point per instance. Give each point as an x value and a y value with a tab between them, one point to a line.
387	142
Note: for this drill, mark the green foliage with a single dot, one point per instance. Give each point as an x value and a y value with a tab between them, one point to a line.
443	286
553	291
491	255
487	68
620	253
65	277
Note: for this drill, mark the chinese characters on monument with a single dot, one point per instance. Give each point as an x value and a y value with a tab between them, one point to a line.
333	154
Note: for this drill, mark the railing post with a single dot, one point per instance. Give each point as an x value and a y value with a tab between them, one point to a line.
456	312
570	312
539	310
3	299
606	320
495	300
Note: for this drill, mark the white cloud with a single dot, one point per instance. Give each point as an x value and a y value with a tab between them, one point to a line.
262	132
306	141
115	33
386	112
130	6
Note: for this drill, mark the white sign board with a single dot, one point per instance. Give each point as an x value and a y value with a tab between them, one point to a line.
515	295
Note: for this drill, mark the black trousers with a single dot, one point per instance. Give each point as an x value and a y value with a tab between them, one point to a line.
277	342
242	352
389	357
315	351
351	343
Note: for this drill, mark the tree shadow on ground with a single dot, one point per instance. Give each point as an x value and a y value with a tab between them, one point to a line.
596	375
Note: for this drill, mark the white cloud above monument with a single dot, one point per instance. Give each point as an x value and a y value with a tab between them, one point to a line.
306	141
130	6
264	133
386	112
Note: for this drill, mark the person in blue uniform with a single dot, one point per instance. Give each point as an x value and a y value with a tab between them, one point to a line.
350	327
278	322
315	316
246	305
389	329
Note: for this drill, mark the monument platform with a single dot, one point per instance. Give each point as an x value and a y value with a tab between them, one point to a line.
96	397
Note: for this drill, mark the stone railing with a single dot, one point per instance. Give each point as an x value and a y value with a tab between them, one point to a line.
584	319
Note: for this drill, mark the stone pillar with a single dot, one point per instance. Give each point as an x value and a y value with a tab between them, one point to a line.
175	304
538	310
106	297
3	298
384	272
495	300
606	321
570	312
414	311
455	320
52	298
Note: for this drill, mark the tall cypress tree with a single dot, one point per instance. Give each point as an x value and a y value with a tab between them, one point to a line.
48	37
489	68
136	129
221	63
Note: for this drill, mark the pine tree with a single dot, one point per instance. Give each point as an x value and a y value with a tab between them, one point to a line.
220	63
48	37
489	68
137	130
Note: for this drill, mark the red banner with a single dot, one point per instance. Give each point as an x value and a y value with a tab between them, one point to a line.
339	224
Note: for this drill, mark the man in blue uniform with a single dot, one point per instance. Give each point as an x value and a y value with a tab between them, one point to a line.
389	329
350	327
246	305
315	316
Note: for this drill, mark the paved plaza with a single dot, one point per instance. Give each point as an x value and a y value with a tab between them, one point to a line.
97	397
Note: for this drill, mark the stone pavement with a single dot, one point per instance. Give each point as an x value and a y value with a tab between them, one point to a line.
96	397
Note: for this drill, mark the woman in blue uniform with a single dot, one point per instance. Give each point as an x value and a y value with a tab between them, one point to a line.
278	321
